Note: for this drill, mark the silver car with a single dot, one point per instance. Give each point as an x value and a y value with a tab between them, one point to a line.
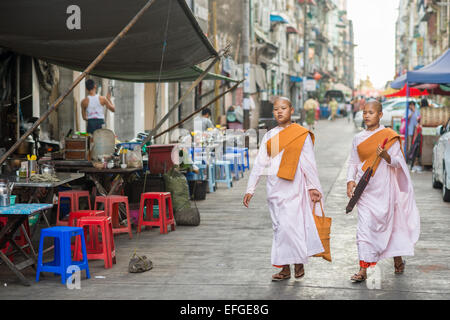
441	161
391	108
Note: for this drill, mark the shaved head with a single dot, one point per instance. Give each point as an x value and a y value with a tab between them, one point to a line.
283	99
377	105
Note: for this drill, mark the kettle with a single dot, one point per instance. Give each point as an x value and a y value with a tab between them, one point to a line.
5	192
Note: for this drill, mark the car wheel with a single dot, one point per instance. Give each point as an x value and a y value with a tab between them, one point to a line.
436	184
445	189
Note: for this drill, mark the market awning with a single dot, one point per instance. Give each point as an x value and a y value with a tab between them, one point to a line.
436	72
278	17
76	31
413	92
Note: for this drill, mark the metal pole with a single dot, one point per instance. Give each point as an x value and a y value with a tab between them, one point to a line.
305	55
406	120
18	98
217	67
78	80
246	61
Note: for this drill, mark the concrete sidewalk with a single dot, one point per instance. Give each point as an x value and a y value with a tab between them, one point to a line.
228	255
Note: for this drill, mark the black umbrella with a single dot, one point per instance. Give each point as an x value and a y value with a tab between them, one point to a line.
362	184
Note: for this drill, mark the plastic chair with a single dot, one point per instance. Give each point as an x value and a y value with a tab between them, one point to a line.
165	216
111	205
62	252
104	250
74	196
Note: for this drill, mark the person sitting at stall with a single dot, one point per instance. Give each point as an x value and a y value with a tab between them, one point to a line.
203	122
93	107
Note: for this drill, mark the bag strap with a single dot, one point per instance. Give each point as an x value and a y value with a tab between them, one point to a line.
321	207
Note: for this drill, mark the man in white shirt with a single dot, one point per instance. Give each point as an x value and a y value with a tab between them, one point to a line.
93	107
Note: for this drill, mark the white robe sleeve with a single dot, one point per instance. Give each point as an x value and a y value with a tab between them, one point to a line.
353	163
262	161
396	155
309	167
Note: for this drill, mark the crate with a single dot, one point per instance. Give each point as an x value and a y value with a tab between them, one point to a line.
160	158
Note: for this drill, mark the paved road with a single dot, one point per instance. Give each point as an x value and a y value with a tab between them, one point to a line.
228	255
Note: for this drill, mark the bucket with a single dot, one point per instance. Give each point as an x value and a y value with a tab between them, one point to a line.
197	189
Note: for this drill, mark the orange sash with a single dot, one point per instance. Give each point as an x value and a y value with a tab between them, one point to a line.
367	150
291	140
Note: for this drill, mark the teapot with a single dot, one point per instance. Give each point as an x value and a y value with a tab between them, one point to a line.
5	192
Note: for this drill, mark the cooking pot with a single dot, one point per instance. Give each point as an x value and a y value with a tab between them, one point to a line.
47	169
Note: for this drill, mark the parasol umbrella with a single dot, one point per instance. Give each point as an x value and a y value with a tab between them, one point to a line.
413	92
362	184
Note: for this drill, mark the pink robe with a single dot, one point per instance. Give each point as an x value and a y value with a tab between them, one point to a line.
295	236
388	218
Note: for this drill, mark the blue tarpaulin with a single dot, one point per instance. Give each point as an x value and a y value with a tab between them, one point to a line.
436	72
278	18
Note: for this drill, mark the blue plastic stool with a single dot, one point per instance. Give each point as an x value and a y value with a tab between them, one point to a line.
243	154
235	165
224	176
63	253
212	177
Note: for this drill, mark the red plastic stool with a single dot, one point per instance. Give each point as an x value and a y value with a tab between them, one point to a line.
74	196
104	250
75	215
20	239
164	201
111	204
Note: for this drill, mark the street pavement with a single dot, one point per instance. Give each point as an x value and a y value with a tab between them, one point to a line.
228	255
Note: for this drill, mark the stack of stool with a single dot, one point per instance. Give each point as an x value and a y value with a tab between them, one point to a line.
74	196
165	217
104	250
111	204
20	239
62	263
75	215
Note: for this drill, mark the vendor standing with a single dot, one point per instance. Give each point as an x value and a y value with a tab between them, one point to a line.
93	107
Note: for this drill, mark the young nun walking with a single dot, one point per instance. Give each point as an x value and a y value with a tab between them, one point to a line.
286	157
388	218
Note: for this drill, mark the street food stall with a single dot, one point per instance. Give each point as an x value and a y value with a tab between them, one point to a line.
159	41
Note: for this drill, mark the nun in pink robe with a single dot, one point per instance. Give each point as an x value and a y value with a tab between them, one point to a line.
388	218
295	236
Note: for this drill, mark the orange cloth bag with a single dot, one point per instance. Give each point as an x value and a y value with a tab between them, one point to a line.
323	225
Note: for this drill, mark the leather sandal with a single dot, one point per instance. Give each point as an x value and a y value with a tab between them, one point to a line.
400	268
300	273
357	277
281	276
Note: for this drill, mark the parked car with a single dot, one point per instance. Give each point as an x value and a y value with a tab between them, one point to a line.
441	161
391	108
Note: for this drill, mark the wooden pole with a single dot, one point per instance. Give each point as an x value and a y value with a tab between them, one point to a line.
77	81
199	110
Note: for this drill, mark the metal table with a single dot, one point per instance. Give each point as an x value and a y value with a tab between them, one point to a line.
50	186
96	175
17	214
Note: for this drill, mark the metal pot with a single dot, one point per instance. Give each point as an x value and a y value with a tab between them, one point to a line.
5	192
48	169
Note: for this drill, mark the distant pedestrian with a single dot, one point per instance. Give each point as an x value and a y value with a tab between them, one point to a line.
333	107
310	107
412	122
